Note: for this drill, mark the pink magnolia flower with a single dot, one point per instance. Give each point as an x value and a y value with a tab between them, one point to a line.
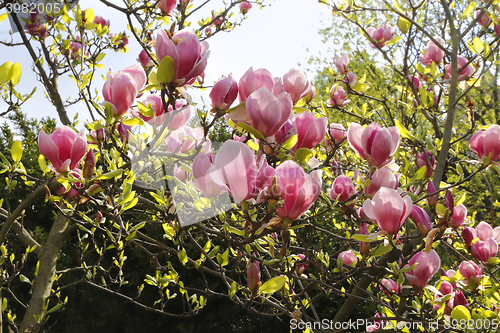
89	165
144	59
427	159
350	79
224	92
341	63
338	96
496	28
382	177
310	93
484	21
298	190
181	140
265	175
390	286
364	247
268	112
348	258
74	50
179	172
427	265
342	188
122	87
37	29
470	269
466	73
388	209
459	299
301	267
174	122
421	219
431	200
64	148
295	83
486	143
381	35
188	53
445	288
253	80
245	6
208	31
374	143
433	52
484	250
253	275
337	132
123	132
201	174
414	81
236	170
310	130
166	6
459	215
101	20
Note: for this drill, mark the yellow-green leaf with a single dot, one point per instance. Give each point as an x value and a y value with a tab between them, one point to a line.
273	285
403	24
460	313
15	74
110	175
16	151
5	72
291	142
251	130
303	154
404	132
166	70
2	18
478	45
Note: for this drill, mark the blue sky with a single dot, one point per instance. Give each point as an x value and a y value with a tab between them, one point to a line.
278	38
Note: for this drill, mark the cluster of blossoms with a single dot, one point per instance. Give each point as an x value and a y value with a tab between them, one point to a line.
266	112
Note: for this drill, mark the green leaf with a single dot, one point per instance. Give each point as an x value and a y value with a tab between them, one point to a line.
407	269
182	256
225	258
166	70
55	308
393	41
403	24
421	172
133	122
15	74
234	288
111	174
460	313
273	285
291	142
16	150
41	162
201	204
24	279
404	132
4	304
251	130
382	249
303	154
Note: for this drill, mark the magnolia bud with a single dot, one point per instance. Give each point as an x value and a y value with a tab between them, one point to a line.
88	169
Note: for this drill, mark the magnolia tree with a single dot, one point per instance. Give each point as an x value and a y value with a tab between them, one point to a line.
295	208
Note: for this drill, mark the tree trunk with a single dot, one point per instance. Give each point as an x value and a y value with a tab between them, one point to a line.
42	285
